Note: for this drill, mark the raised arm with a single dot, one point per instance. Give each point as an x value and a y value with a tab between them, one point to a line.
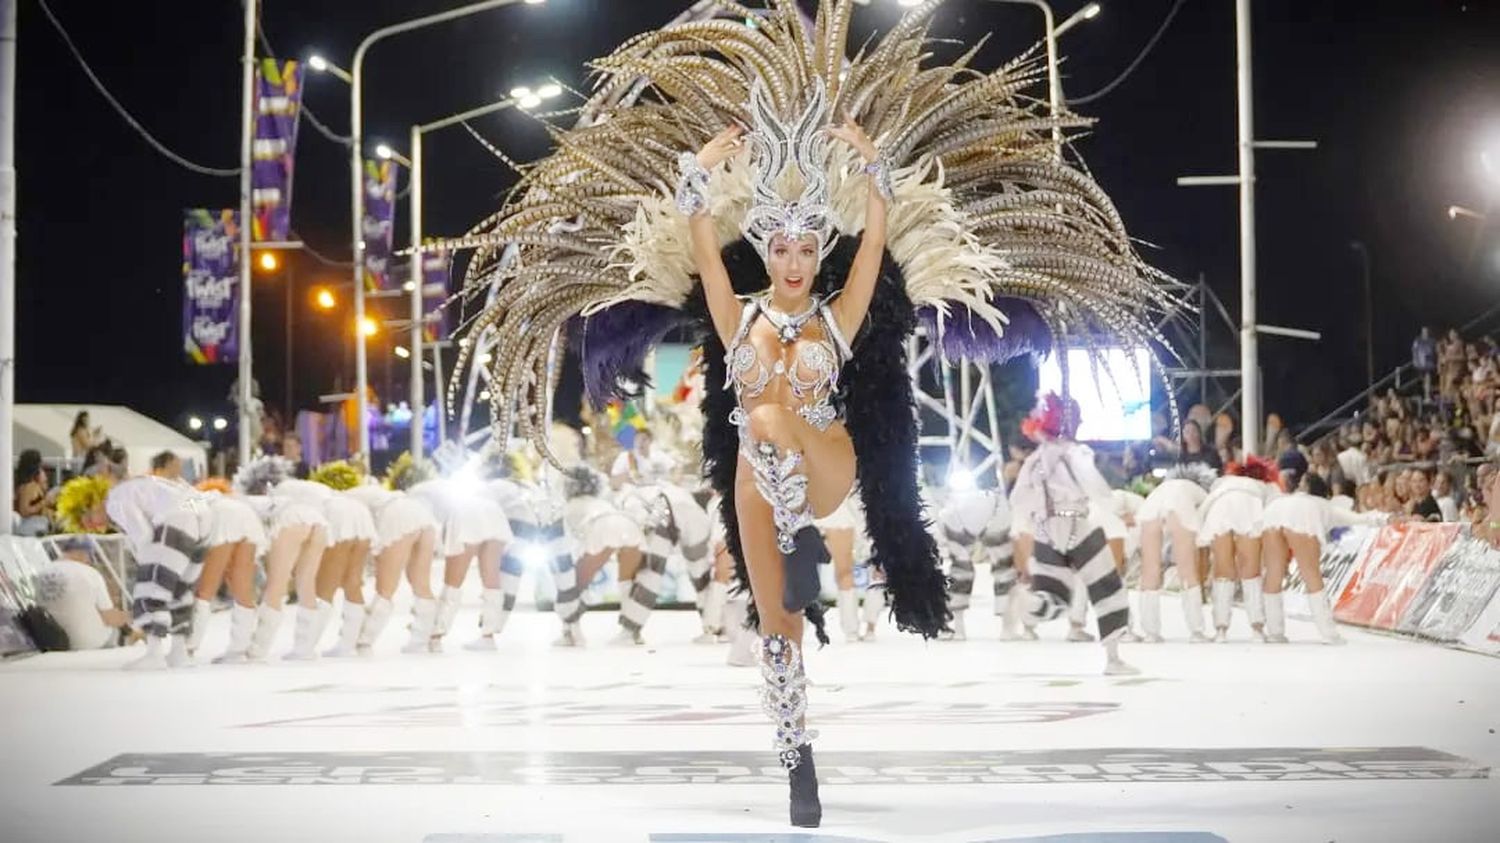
859	288
692	199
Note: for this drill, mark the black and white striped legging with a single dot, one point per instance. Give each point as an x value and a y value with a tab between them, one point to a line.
555	546
1066	545
962	546
167	571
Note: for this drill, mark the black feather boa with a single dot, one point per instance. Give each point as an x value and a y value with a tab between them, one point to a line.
880	415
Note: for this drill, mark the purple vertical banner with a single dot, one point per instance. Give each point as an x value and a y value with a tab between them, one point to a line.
378	225
210	285
278	105
435	274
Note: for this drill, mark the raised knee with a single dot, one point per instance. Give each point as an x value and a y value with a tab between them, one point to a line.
771	423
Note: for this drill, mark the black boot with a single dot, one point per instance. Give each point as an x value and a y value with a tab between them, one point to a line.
807	811
802	586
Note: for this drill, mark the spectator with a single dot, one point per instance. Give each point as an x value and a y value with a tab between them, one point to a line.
1194	450
1445	495
1422	506
83	438
1289	459
32	502
291	448
1224	439
1270	437
167	466
74	593
1353	462
1424	359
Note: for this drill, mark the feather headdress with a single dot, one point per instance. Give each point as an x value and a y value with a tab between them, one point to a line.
989	220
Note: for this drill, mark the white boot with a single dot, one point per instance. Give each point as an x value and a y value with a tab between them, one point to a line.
353	618
1113	664
423	618
572	636
267	622
874	605
1012	626
155	657
742	642
178	655
1322	617
1151	616
492	619
378	615
203	610
713	610
1223	595
1255	606
1275	619
1192	612
310	626
960	632
241	630
848	614
447	610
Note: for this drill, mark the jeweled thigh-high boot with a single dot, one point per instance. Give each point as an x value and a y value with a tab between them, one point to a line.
784	699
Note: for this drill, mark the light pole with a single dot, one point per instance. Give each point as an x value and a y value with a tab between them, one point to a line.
247	115
1250	397
523	97
7	255
356	168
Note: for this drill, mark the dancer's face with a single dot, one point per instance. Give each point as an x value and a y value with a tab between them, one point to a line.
793	265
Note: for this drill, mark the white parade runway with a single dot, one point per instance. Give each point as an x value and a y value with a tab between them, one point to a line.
1381	740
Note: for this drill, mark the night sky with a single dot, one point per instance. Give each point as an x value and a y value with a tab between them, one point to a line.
1401	96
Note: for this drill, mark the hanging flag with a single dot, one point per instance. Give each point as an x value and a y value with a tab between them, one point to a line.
210	285
378	225
435	273
277	107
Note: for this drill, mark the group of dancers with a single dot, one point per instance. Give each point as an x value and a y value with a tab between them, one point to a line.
1242	532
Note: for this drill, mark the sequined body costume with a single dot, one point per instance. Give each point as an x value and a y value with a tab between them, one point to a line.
809	366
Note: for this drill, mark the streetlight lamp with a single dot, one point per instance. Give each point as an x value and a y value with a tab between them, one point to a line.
355	79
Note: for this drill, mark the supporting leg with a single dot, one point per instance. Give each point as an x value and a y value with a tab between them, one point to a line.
960	579
1247	567
636	606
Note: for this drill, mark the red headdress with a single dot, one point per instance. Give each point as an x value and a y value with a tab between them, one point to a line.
1052	418
1255	468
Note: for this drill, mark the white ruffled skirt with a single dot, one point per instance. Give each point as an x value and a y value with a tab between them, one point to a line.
235	521
400	517
349	520
1173	497
1235	512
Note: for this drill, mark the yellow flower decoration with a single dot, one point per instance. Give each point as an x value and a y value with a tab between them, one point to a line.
339	475
77	497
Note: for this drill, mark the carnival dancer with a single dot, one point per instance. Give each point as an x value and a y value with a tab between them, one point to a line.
292	513
1171	512
1230	527
963	216
474	528
406	538
976	529
1295	526
351	534
600	530
1058	490
535	517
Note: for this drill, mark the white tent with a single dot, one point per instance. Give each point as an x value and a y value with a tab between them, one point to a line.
47	428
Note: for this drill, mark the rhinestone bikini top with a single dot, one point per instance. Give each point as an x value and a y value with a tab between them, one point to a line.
814	371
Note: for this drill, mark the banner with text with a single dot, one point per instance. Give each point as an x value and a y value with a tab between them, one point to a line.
1394	568
278	105
378	225
436	268
210	285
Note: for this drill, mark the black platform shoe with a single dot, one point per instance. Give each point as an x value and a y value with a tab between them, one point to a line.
802	584
807	811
